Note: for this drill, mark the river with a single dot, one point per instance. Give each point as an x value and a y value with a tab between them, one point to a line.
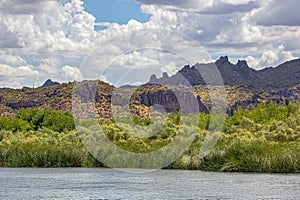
81	183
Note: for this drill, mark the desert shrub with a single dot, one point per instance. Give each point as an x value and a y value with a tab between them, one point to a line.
58	121
54	120
14	124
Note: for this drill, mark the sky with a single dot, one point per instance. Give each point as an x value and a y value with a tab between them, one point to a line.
125	41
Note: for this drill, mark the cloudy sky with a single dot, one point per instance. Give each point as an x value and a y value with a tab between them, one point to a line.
125	41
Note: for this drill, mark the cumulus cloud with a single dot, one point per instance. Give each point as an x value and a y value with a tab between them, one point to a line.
16	76
141	52
9	59
72	73
222	8
215	7
45	40
21	71
238	28
277	12
27	6
270	58
7	37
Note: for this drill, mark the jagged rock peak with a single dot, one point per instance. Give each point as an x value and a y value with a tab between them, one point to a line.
165	75
153	78
223	60
185	68
242	63
49	83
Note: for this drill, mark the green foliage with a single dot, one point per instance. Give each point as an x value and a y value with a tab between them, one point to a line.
14	125
44	148
262	114
54	120
204	121
58	121
265	139
254	156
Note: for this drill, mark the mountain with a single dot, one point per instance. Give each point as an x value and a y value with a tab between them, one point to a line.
284	76
49	83
245	87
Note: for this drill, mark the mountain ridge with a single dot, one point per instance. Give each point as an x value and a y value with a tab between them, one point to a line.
283	76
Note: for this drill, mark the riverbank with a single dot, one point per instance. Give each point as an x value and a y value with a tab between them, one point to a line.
46	148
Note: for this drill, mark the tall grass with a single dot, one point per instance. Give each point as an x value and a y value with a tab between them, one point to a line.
46	156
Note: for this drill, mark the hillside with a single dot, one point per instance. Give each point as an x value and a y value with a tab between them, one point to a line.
59	97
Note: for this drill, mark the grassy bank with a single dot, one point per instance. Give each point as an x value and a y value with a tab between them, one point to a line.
44	148
266	139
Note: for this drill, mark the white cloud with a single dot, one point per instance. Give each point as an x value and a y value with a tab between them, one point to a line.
9	59
277	12
140	53
237	31
20	71
72	73
74	6
160	17
270	58
7	37
63	34
27	6
216	7
16	76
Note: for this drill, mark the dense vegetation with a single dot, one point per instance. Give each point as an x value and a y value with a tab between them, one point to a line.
265	139
34	119
36	138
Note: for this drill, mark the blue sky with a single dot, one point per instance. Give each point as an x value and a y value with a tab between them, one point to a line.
115	11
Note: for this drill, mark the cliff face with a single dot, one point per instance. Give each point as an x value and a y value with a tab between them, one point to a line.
171	99
282	97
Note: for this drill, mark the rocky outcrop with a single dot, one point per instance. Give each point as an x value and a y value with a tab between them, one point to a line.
172	100
243	69
153	79
223	60
281	97
23	104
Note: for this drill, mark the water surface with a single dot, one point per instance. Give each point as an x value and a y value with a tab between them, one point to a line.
80	183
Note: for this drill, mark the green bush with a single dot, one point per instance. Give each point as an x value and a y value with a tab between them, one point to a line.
54	120
14	124
58	121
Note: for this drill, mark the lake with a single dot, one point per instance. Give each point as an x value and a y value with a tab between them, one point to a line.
81	183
